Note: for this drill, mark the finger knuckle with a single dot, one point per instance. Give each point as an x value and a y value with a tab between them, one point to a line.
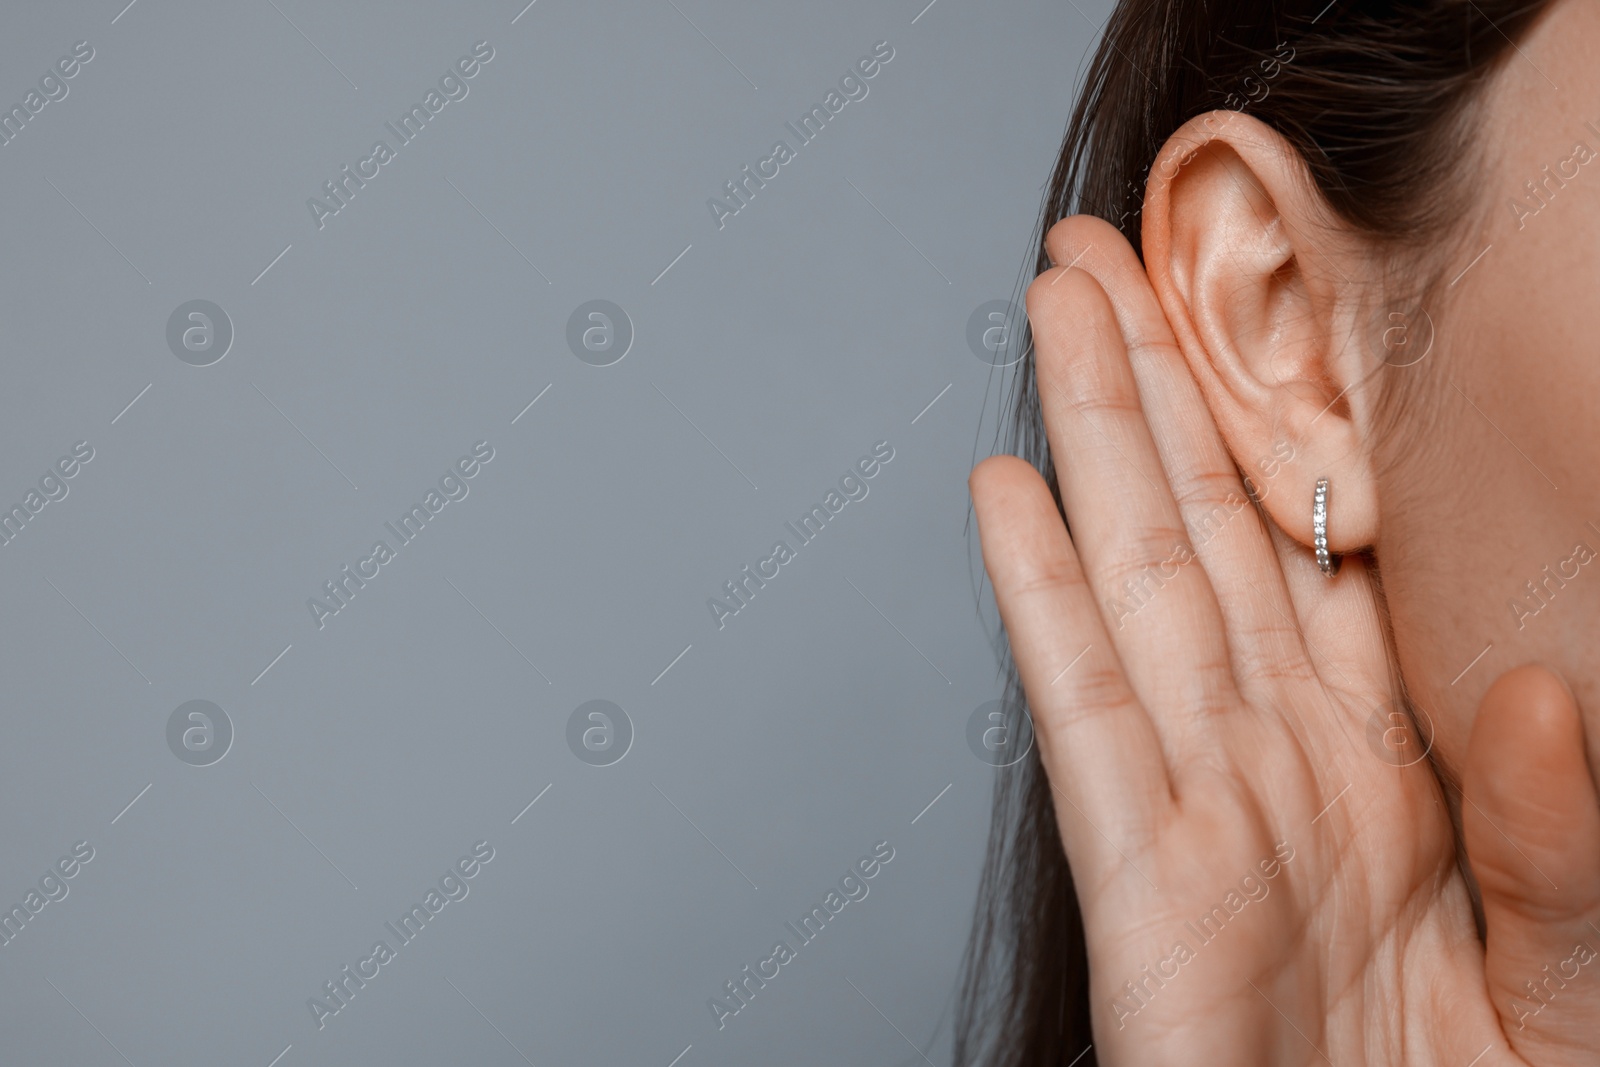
1097	391
1140	550
1279	663
1051	578
1210	500
1206	486
1096	688
1210	691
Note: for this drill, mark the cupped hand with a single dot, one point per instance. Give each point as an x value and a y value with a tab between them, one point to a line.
1262	881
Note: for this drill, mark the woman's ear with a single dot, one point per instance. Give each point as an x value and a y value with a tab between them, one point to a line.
1257	282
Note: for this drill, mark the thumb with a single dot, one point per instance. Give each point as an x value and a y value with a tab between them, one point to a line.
1531	823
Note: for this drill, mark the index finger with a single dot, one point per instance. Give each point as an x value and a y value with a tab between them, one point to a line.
1098	743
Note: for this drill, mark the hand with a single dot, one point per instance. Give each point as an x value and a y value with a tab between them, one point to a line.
1258	883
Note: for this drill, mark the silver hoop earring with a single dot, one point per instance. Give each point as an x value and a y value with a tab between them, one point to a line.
1329	564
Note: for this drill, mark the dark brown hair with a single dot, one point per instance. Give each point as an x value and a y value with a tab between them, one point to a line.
1378	99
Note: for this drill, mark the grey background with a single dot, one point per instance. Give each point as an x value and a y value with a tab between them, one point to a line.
374	752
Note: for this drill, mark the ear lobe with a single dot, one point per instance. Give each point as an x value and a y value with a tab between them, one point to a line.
1251	272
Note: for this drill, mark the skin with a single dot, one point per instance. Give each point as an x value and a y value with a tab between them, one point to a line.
1236	710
